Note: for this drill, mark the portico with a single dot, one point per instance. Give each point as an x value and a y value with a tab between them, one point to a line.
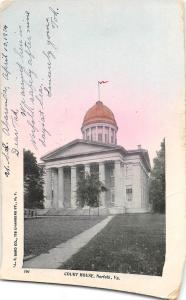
59	196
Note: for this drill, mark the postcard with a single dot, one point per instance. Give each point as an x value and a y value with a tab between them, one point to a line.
93	144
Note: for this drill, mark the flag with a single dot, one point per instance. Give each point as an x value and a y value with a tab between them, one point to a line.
100	82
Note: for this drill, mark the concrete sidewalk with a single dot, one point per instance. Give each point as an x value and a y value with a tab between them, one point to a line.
61	253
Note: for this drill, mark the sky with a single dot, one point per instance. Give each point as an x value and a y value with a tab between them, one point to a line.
132	44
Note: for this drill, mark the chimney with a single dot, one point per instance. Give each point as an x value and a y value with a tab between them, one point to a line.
139	147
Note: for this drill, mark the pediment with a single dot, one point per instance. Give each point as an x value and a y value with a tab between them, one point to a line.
75	148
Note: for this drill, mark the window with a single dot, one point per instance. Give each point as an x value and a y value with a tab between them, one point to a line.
107	135
100	133
129	192
99	137
112	136
106	138
93	133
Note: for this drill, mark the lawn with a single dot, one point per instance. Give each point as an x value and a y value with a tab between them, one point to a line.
132	244
43	234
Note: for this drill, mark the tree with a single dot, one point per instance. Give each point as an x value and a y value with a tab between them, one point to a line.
33	182
157	181
88	190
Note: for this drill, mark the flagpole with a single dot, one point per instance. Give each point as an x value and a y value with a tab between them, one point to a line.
99	83
98	91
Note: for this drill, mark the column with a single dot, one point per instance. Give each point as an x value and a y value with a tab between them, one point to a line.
87	169
55	188
48	188
73	187
102	179
60	187
119	197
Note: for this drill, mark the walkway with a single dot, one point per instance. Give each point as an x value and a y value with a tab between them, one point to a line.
61	253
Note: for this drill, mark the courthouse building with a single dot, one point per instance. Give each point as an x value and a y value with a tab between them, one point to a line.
124	173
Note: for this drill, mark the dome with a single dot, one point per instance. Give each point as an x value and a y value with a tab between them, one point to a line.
99	113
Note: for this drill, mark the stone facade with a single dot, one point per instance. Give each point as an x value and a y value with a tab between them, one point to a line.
125	173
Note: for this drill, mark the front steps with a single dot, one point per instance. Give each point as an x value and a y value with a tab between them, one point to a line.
102	211
77	211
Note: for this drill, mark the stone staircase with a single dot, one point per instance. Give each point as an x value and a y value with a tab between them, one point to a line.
76	211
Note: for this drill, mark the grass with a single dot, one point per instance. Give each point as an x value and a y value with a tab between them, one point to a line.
43	234
132	244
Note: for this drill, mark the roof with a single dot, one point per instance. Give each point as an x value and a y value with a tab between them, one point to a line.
105	148
144	156
99	113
